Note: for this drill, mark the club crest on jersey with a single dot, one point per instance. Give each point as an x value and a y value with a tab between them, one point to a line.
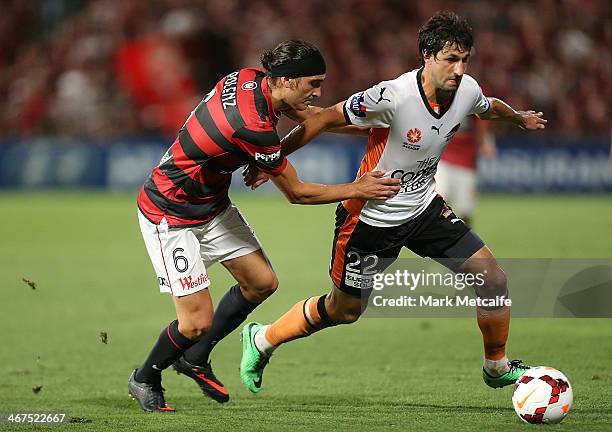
413	136
356	105
249	85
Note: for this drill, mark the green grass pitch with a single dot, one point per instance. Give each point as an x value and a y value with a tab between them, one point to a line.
85	254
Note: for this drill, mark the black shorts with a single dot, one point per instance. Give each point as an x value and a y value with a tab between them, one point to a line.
359	248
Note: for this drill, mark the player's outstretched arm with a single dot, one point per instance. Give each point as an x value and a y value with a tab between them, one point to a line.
371	185
301	116
326	119
500	110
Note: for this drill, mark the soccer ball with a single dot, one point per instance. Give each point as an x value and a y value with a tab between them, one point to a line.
542	395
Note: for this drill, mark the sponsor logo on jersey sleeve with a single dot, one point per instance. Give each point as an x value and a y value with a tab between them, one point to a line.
356	105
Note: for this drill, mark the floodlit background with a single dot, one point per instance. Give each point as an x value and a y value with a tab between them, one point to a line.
93	92
92	86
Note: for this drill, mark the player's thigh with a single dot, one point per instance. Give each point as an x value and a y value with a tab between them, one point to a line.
443	236
360	251
254	274
226	237
175	255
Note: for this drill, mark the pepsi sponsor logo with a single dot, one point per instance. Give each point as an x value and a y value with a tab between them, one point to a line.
267	157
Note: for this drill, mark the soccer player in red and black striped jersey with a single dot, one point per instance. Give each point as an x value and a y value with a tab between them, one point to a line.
188	221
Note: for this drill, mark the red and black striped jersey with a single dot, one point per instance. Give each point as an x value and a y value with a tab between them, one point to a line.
234	125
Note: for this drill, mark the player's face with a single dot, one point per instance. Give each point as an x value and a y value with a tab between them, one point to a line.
304	91
448	66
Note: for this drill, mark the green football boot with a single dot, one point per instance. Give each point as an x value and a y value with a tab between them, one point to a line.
517	368
253	361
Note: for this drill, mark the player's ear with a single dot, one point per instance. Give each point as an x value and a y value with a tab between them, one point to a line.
287	82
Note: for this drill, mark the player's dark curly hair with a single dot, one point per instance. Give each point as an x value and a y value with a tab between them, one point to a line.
285	52
442	28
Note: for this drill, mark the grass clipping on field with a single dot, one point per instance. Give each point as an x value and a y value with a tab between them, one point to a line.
29	282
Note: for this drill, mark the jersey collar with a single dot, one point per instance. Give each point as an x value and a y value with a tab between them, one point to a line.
426	101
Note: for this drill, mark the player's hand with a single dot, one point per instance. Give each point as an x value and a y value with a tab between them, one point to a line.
253	177
372	185
531	120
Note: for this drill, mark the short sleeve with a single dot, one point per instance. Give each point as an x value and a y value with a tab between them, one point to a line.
373	108
481	102
263	148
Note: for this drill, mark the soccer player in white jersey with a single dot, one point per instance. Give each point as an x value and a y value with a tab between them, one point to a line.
412	118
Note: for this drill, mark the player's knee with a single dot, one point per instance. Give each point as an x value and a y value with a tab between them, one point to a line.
495	283
263	287
194	328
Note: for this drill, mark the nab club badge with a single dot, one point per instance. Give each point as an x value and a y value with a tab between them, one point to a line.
413	136
356	105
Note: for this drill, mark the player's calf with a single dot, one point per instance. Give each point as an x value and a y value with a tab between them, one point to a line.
493	321
303	319
343	308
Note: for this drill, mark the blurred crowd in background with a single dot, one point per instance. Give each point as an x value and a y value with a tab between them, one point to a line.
108	68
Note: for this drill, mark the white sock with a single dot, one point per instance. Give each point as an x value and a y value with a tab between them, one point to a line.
496	368
263	345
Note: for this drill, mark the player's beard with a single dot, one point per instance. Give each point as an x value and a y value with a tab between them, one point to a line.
452	87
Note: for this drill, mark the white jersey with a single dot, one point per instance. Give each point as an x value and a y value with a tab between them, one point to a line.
406	141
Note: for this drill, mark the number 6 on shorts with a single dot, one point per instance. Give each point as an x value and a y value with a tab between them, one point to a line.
175	254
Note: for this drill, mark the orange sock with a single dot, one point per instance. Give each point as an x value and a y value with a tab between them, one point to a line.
494	326
303	319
